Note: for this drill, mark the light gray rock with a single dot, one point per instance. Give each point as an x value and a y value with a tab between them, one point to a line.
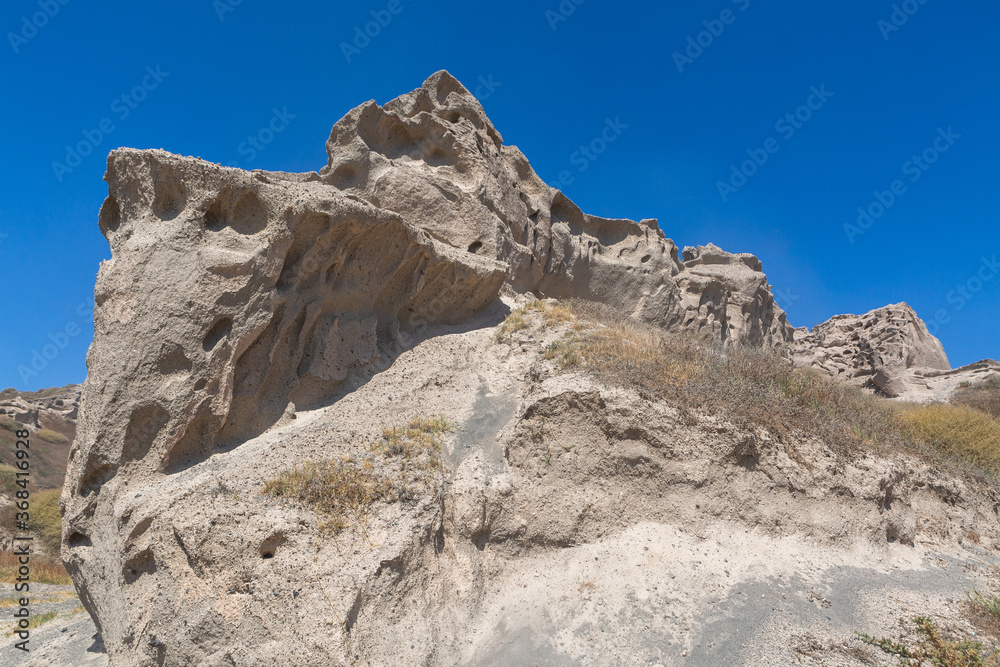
248	322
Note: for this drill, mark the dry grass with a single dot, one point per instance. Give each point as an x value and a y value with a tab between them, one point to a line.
46	520
748	385
958	431
547	313
48	435
402	465
754	386
8	424
984	396
43	570
36	620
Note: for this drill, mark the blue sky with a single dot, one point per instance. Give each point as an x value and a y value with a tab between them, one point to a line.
893	110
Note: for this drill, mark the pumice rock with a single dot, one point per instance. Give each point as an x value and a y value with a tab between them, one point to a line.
249	322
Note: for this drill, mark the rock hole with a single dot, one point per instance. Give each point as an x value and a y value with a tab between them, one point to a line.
110	217
142	563
270	546
169	198
646	258
247	216
219	331
143	427
173	360
345	177
95	479
78	539
475	247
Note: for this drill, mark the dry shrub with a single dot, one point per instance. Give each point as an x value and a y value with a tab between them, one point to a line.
959	431
748	385
44	570
400	466
984	396
757	386
8	424
933	647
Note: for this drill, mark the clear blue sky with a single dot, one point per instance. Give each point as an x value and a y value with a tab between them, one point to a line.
220	81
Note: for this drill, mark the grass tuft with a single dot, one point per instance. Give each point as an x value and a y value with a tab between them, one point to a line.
399	467
43	570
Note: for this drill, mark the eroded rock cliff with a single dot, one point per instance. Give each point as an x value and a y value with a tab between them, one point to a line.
238	329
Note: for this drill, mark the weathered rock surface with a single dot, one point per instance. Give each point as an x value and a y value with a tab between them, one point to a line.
434	157
888	350
249	322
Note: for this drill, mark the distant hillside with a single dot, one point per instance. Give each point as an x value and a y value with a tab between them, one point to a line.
50	415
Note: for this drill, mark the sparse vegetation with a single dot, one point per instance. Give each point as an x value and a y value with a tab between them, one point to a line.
54	437
44	570
36	620
8	479
757	386
987	607
8	424
46	520
933	649
398	467
984	396
959	431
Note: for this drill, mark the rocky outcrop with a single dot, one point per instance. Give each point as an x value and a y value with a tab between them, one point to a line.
888	350
239	326
55	408
433	157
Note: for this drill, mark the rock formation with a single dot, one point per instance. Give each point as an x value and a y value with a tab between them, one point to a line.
238	328
888	350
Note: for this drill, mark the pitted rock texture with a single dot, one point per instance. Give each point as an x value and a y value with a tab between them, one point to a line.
248	322
876	350
435	158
